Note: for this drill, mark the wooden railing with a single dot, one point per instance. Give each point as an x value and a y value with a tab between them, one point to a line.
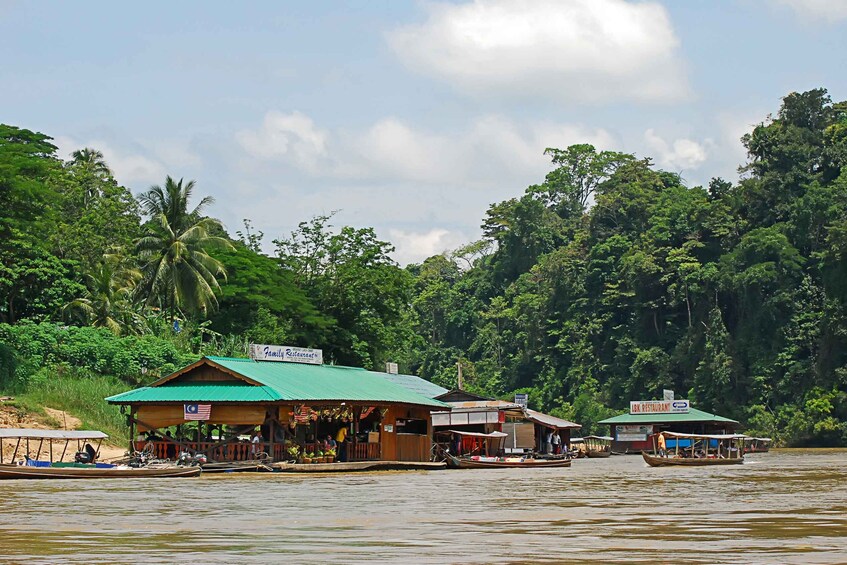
246	451
213	450
364	451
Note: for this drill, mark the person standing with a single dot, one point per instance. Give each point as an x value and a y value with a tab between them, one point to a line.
557	442
341	441
548	448
662	445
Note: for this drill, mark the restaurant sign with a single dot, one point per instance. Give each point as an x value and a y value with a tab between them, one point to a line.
286	353
633	432
658	407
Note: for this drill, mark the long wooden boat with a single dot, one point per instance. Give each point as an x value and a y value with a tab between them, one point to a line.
504	463
26	472
657	461
596	453
237	467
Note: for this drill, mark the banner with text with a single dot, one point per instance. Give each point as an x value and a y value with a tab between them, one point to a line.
286	353
658	407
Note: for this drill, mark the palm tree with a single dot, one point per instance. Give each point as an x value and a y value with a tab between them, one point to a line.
107	302
92	161
92	169
179	273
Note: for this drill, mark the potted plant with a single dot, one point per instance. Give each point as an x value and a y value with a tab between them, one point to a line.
330	455
307	457
319	457
294	452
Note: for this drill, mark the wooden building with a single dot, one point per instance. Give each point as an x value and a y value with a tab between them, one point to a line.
293	404
633	433
525	429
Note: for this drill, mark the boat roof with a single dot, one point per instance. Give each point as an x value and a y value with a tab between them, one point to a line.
604	438
706	436
30	433
477	434
549	421
760	438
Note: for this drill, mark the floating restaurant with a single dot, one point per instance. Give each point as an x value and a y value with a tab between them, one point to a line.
632	432
218	404
525	429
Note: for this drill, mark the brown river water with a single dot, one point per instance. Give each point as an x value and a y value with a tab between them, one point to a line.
787	506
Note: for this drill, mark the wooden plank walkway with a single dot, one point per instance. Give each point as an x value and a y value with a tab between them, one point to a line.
355	466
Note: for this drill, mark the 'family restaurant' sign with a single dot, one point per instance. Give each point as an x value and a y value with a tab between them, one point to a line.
259	352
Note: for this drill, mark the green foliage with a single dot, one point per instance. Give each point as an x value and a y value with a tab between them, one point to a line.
734	294
179	273
133	359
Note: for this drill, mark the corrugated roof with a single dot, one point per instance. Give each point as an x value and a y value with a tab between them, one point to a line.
416	384
693	415
30	433
198	392
498	404
297	382
549	421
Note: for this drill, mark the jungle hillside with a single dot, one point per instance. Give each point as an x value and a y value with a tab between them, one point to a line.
608	281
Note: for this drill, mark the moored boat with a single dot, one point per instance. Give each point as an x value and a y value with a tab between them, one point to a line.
95	472
698	450
476	462
598	446
757	445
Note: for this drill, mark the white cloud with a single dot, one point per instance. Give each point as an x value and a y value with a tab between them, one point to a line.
586	50
820	10
129	168
490	148
681	154
290	136
414	247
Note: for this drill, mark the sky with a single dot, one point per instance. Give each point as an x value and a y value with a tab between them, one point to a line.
408	117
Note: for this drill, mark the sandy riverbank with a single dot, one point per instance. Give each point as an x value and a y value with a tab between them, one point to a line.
13	417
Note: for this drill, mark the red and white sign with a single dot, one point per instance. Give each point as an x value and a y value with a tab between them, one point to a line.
658	407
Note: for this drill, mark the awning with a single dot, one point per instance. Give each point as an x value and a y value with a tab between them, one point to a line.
549	421
476	434
28	433
704	436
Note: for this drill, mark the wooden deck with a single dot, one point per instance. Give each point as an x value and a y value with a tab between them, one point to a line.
355	466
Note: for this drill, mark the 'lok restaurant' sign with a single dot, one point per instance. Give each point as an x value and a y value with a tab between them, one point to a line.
658	407
260	352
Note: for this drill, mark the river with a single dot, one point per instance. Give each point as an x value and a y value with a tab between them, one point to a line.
787	506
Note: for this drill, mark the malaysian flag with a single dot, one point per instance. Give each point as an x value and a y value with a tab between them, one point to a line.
197	412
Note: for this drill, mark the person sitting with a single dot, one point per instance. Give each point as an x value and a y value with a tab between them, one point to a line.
87	455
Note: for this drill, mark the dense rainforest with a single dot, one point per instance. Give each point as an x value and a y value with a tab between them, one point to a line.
610	280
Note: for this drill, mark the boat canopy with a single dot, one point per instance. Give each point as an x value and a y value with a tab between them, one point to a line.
705	436
549	421
760	438
603	438
495	435
29	433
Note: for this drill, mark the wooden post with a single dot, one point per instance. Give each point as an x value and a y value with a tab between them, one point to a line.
51	451
15	454
131	430
271	432
62	458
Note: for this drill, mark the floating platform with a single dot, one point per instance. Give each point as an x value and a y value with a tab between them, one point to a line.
355	466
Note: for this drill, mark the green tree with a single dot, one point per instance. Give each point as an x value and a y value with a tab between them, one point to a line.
179	273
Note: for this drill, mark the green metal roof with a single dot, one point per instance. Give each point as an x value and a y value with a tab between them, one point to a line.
198	392
297	382
416	384
693	415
